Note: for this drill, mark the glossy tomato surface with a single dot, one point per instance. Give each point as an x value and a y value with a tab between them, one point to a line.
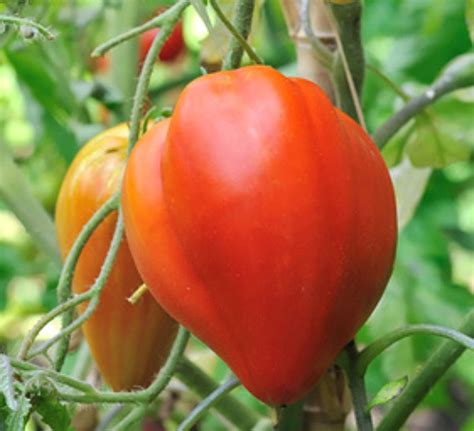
263	219
128	342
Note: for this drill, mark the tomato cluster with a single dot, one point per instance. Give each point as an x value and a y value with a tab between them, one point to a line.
261	218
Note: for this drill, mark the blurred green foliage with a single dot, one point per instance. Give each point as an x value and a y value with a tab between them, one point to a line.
52	100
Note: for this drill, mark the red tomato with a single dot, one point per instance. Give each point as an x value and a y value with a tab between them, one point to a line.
171	49
262	219
128	342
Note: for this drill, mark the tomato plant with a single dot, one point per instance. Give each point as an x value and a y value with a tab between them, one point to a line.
129	342
270	253
257	209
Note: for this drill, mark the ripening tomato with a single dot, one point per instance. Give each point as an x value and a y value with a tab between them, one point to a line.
128	342
172	48
263	219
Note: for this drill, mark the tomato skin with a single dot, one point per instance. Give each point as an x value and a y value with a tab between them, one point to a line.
128	342
170	50
262	219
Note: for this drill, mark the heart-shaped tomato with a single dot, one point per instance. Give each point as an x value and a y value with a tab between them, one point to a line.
262	219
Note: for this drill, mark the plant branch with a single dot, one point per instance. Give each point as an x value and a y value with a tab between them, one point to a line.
396	89
290	418
349	64
25	22
134	132
67	273
323	54
48	317
143	396
234	32
367	355
206	404
72	302
229	407
242	23
166	17
436	366
95	292
145	74
131	419
348	361
27	367
458	74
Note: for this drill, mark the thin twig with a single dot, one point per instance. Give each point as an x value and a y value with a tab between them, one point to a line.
203	407
367	355
67	273
323	54
163	19
354	93
459	74
242	22
95	290
234	32
436	366
25	22
357	388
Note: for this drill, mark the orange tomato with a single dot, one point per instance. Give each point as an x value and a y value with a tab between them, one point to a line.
128	342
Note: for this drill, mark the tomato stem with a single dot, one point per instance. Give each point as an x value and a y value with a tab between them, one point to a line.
135	296
200	383
349	64
131	419
242	22
164	18
357	388
243	42
290	418
458	75
93	294
67	272
436	366
25	22
367	355
207	403
147	69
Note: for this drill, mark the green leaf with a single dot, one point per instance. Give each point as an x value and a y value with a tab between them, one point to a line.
409	183
201	10
460	70
60	135
429	146
54	413
263	424
470	18
6	383
16	193
35	70
388	392
394	151
461	237
17	420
